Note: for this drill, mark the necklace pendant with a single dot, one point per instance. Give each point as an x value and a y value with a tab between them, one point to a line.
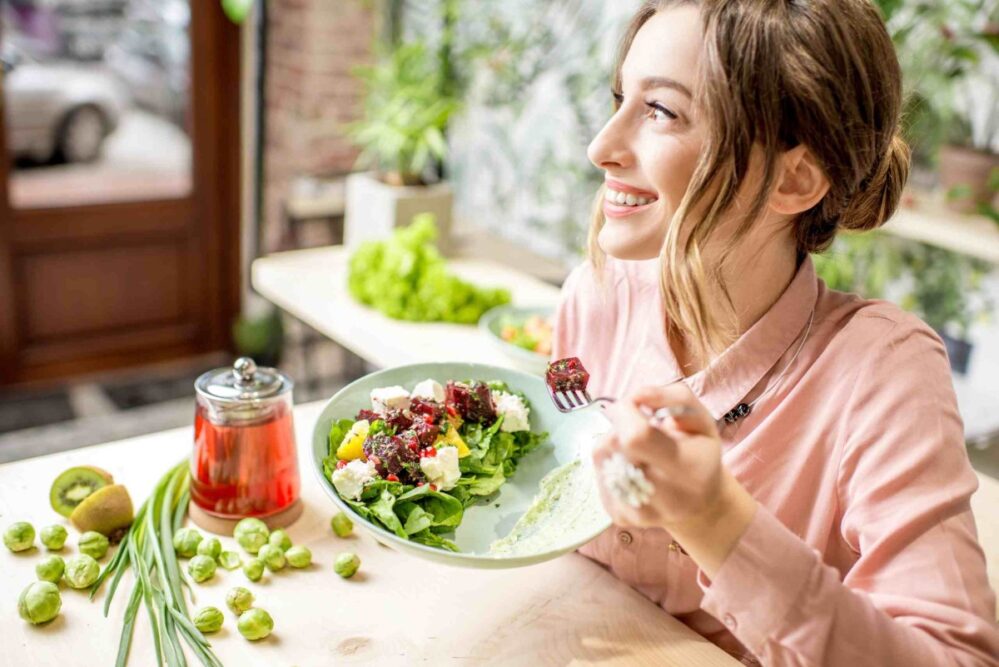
737	413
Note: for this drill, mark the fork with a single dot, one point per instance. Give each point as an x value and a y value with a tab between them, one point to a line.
579	399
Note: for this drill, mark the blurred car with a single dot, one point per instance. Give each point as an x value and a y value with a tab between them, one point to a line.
57	110
151	58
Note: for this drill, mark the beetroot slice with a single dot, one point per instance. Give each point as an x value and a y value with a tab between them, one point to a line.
567	375
474	403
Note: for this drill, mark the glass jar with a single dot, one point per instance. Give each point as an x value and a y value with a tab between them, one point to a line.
244	462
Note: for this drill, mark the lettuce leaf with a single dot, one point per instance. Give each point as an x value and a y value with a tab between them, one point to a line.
382	510
338	429
434	540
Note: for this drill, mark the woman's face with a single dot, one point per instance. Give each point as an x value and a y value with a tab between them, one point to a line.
649	148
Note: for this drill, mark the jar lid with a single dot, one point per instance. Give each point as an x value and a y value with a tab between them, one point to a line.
243	382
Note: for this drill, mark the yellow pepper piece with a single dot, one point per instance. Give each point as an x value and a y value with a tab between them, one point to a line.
352	446
453	439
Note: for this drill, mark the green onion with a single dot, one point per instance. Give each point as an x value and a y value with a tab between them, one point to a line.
158	580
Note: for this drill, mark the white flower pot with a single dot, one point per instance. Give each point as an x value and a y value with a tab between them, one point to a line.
374	209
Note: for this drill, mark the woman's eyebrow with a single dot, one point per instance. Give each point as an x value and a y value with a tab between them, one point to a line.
664	82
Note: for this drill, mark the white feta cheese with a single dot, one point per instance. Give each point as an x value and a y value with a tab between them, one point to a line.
442	470
384	399
430	389
350	480
514	411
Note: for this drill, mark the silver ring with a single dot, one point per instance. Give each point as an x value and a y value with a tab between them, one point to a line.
626	481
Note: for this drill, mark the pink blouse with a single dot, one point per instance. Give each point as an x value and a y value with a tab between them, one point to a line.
864	549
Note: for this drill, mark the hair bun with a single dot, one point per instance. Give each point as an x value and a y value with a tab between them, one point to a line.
878	194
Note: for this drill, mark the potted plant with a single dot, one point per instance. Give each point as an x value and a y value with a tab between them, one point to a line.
947	51
947	293
407	106
260	338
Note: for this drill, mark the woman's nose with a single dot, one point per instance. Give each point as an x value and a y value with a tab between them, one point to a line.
609	149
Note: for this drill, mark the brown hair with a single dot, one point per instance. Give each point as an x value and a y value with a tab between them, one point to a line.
776	74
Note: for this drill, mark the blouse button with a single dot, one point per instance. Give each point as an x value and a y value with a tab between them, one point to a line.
675	547
729	622
625	537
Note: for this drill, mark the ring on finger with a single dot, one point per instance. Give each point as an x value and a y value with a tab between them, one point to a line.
626	481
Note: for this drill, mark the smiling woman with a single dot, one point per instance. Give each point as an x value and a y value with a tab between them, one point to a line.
811	504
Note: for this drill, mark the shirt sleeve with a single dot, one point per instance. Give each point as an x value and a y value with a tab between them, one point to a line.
917	594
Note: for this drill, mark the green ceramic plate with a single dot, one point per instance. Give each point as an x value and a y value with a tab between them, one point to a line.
493	320
482	524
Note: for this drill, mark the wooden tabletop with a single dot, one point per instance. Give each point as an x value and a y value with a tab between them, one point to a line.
397	610
312	286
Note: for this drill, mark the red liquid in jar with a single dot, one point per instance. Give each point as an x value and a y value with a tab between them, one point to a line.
247	468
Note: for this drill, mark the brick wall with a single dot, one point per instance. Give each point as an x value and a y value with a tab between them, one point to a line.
312	46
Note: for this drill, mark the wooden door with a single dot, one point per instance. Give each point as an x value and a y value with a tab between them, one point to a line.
103	264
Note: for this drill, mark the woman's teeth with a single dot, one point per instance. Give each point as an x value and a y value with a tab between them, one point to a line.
626	199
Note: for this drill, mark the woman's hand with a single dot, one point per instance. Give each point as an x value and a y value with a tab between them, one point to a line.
695	497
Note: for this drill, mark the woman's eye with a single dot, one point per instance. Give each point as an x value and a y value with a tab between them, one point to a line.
659	113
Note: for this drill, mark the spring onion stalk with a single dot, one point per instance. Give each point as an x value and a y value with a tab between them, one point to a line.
158	584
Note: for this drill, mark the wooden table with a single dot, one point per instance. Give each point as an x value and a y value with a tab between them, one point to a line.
312	286
398	610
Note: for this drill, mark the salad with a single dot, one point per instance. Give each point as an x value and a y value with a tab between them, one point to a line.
416	459
533	333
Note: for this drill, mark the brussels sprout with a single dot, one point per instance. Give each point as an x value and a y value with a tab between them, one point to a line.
93	544
230	560
81	571
53	537
346	565
50	569
255	624
210	547
186	541
272	557
253	569
341	524
239	600
201	568
280	539
209	620
298	556
39	602
251	534
19	536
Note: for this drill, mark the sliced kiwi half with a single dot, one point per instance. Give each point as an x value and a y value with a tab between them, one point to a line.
72	486
107	510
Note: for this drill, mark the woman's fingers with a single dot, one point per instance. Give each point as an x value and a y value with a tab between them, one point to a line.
690	415
636	437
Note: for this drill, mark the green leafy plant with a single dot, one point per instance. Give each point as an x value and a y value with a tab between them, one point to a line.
943	288
941	48
407	107
406	277
237	10
947	290
861	263
261	338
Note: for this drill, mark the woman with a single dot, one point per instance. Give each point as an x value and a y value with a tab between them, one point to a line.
811	507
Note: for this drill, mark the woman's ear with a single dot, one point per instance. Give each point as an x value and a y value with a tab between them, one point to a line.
801	182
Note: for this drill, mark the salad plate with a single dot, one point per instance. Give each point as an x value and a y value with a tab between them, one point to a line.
526	492
522	333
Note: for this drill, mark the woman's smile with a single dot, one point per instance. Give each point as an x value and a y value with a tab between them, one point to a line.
621	199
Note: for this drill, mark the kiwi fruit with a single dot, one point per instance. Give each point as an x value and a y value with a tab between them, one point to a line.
107	510
72	486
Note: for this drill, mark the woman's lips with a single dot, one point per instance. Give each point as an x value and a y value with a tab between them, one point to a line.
629	189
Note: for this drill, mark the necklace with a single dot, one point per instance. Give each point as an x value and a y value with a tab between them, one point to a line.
743	409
